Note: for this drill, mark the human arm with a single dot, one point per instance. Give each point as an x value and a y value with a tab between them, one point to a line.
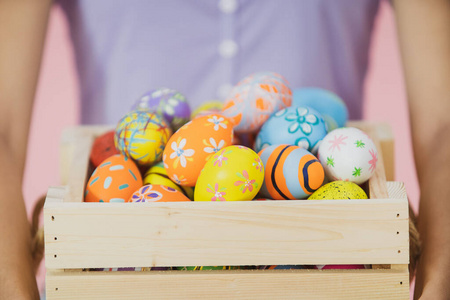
424	35
22	32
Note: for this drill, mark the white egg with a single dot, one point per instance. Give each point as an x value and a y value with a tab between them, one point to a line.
348	154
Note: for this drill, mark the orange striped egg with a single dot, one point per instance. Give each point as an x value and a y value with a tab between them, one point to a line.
114	180
291	172
157	193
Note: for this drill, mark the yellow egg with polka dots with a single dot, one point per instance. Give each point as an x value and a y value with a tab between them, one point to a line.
339	190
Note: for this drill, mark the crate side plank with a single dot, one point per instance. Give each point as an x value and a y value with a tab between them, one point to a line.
377	183
271	284
75	149
229	233
387	143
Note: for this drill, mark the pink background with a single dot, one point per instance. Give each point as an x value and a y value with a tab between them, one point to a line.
56	104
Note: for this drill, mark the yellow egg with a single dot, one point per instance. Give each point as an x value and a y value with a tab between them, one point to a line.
142	136
339	190
158	175
235	173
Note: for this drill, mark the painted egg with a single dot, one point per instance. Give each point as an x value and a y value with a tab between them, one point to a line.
255	98
167	102
103	148
299	126
235	173
339	190
340	267
203	268
157	193
291	172
158	175
348	154
130	269
328	104
207	108
114	180
142	136
282	267
193	144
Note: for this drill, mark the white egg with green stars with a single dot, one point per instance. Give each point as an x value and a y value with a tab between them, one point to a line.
348	154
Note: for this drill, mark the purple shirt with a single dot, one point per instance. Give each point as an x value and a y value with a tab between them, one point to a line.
203	47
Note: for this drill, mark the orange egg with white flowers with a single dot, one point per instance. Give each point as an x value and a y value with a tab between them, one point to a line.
193	144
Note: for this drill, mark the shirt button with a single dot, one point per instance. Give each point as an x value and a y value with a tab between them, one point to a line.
228	48
228	6
224	91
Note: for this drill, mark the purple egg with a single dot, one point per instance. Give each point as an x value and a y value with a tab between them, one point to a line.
170	103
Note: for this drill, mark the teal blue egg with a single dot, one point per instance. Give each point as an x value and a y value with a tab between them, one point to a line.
327	103
298	126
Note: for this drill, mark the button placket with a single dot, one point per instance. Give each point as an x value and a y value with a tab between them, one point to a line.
227	47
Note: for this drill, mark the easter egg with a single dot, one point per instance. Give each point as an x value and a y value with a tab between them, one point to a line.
282	267
235	173
114	180
291	172
142	136
339	190
300	126
255	98
203	268
328	104
207	108
157	193
348	154
340	267
193	144
167	102
130	269
103	148
157	174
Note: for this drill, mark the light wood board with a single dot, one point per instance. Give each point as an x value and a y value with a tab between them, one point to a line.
92	235
258	284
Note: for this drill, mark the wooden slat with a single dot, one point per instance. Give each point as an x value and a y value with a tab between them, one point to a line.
396	190
386	139
230	233
268	284
76	144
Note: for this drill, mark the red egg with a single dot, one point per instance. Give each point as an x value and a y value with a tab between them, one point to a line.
103	148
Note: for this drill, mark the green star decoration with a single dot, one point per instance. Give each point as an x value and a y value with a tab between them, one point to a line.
357	172
330	161
359	144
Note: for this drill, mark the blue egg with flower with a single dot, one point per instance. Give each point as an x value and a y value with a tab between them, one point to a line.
301	126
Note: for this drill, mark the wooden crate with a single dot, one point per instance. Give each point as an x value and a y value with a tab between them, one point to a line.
79	236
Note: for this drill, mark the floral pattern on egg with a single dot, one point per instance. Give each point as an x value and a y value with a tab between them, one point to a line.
235	173
193	144
157	193
298	126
